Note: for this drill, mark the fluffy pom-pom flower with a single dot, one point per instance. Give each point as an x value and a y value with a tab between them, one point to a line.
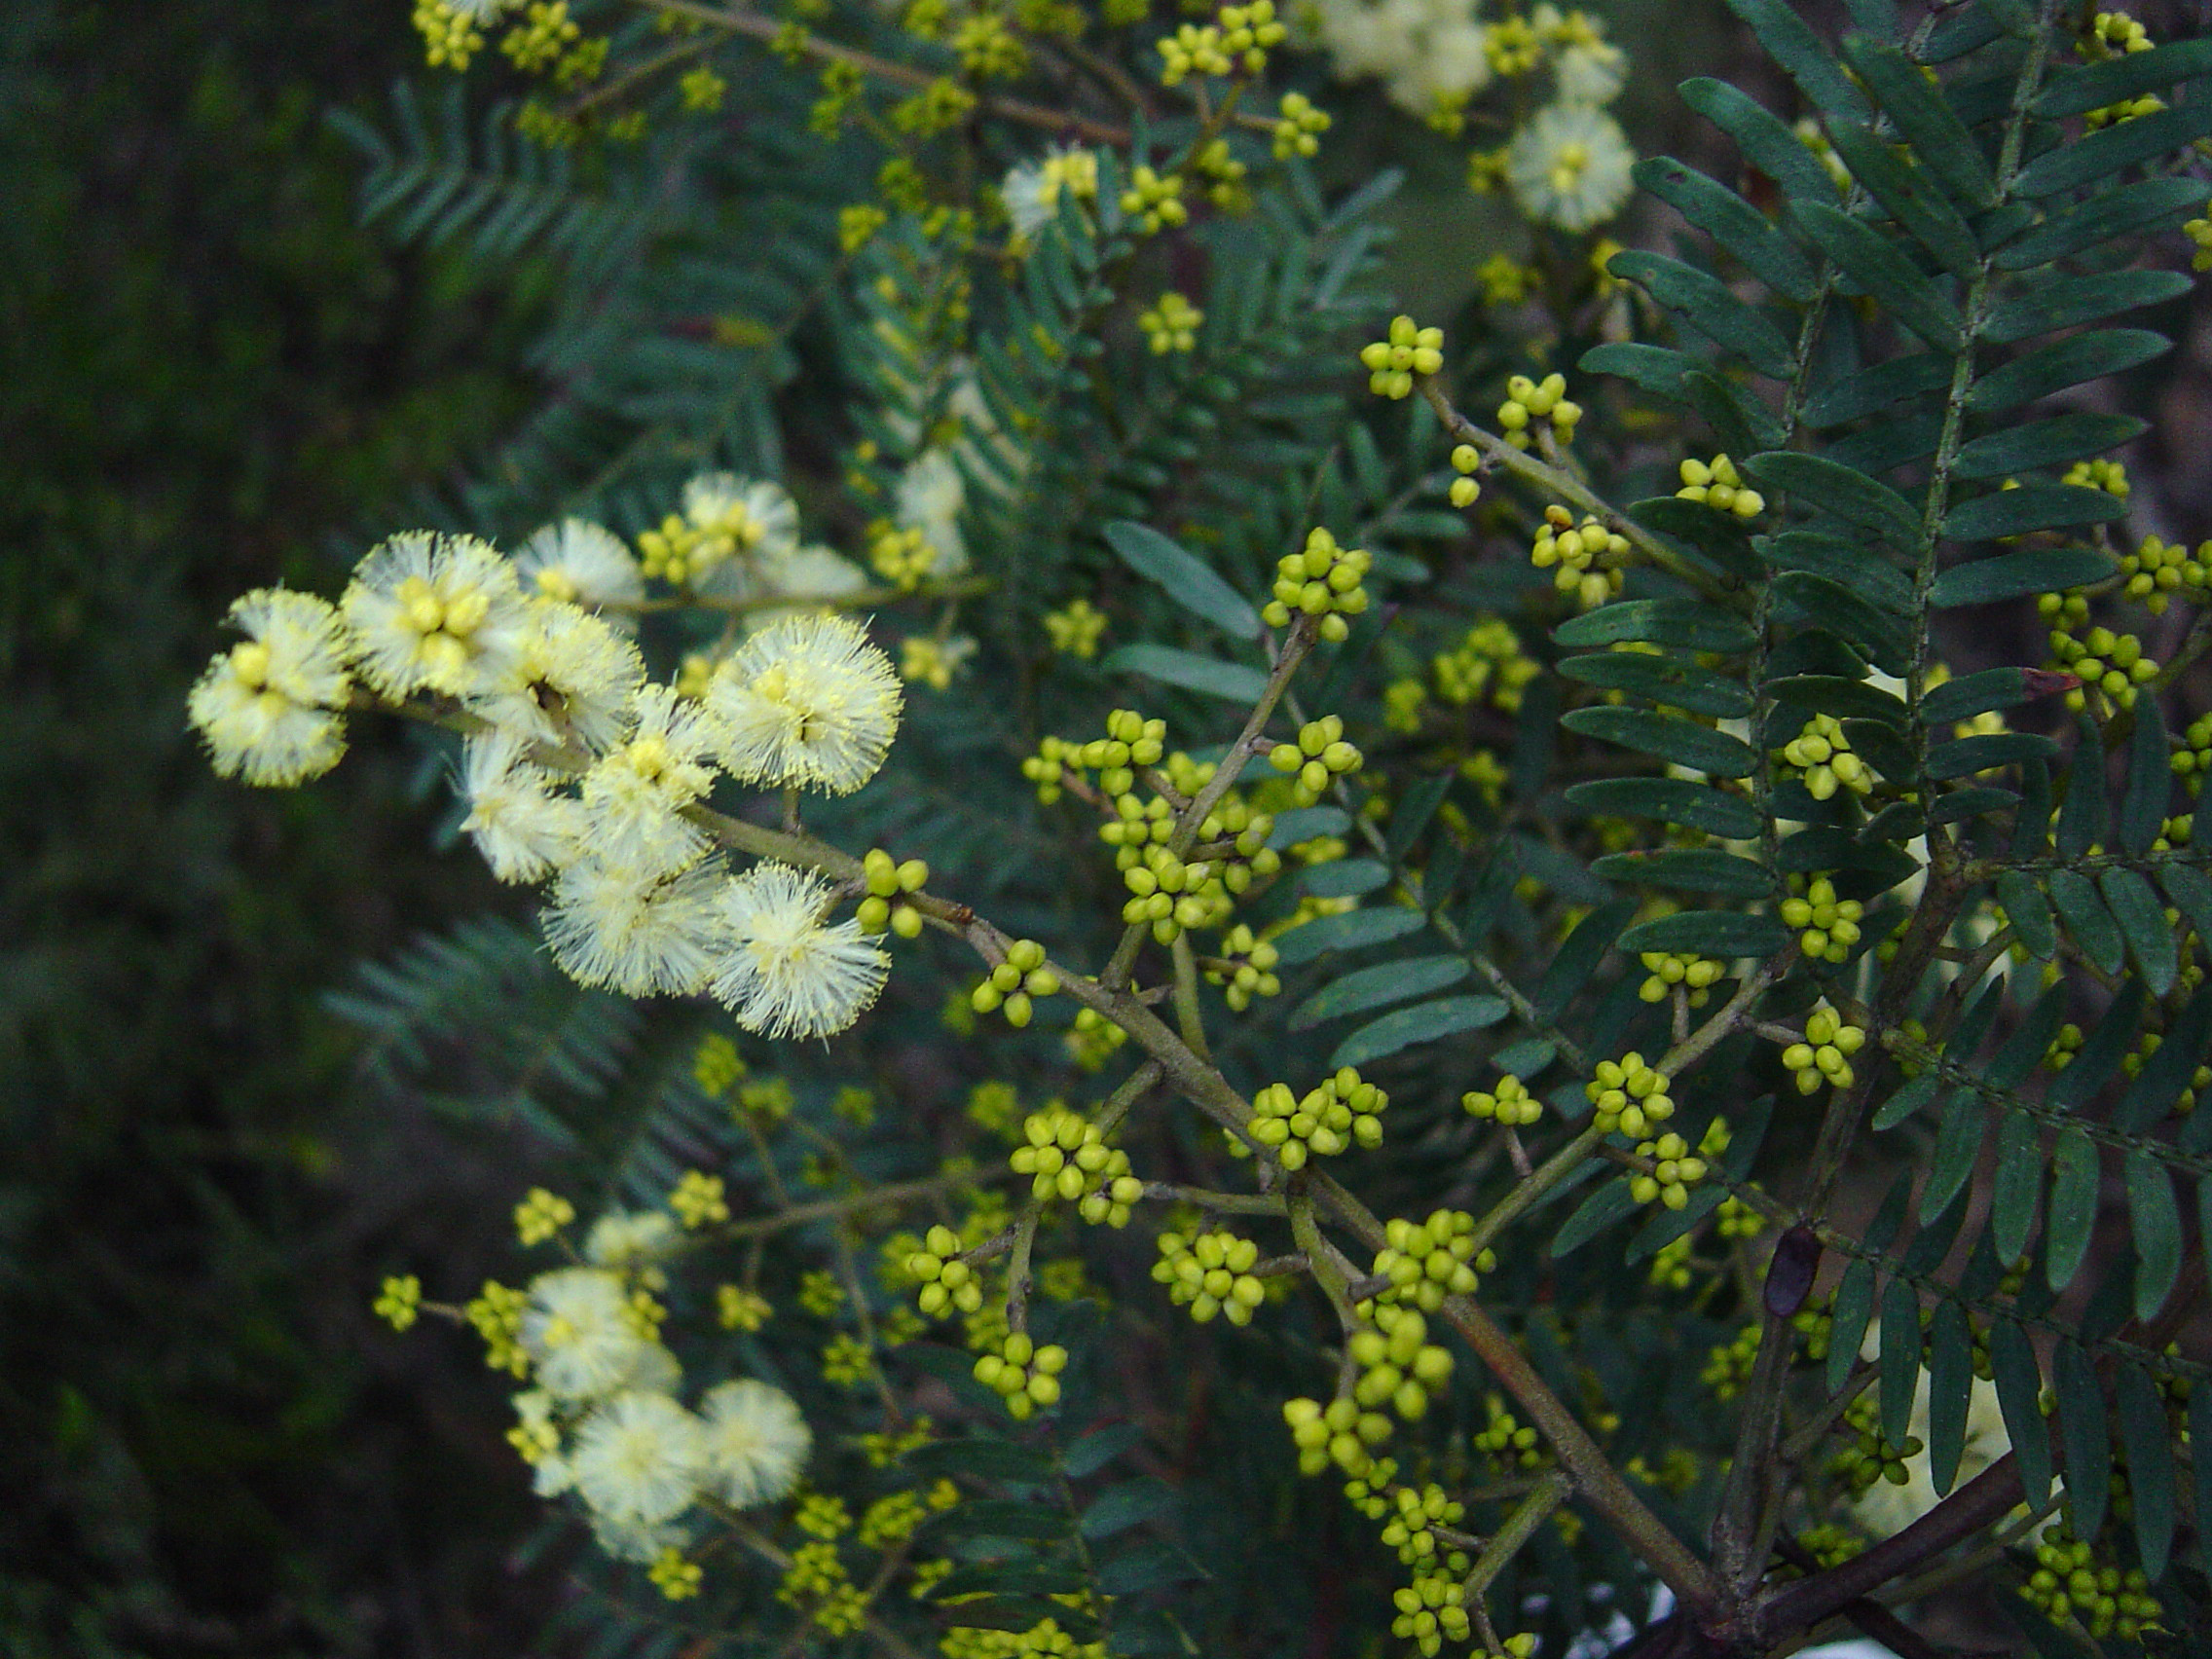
633	797
581	563
633	931
1570	166
807	701
433	613
265	706
525	828
573	677
580	1333
757	1443
637	1459
787	971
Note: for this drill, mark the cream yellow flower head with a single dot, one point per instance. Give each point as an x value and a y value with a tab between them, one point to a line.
579	563
520	819
757	1443
741	523
632	932
930	495
788	972
637	1459
267	707
571	679
807	701
432	612
635	797
1032	190
580	1333
1569	166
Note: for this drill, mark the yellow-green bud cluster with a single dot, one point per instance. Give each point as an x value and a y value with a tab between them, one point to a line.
1171	895
1131	741
1319	755
1528	400
1510	1103
2149	1044
2113	663
1322	581
1671	1266
1399	1367
1824	1056
1433	1608
2192	761
1465	492
1506	1439
902	554
948	1284
1489	659
1571	553
1675	1168
1172	325
449	34
1011	984
2072	1583
1329	1118
1728	1367
1824	756
1245	968
1023	1374
1065	1156
1409	350
1829	926
1868	1458
1735	1219
1299	127
1718	486
1337	1433
1247	31
1629	1096
1430	1260
2110	476
1210	1274
1192	50
1667	969
887	880
1154	201
2199	234
1413	1520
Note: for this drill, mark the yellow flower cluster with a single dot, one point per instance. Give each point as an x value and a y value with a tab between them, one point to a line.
1210	1274
1489	660
540	1215
2153	570
1064	1156
1172	325
1014	982
1319	756
1574	551
1341	1109
1393	362
1130	741
699	1199
1427	1260
1075	629
1509	1104
1529	401
1154	201
399	1301
1023	1374
1248	31
1251	977
1192	50
1299	127
1629	1096
1829	926
1824	1056
1674	1168
1322	580
2112	663
888	879
1718	486
1824	756
1667	969
2072	1584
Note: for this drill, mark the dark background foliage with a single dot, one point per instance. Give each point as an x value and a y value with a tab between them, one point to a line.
210	379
